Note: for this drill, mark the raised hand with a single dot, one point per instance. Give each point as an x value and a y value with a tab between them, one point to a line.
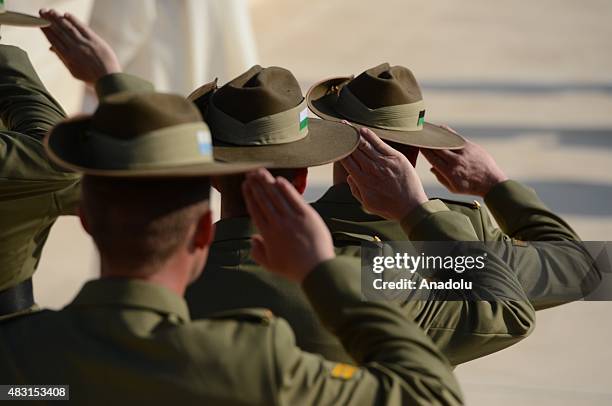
383	179
293	239
86	55
471	170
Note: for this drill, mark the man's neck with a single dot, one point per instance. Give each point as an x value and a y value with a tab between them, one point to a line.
167	275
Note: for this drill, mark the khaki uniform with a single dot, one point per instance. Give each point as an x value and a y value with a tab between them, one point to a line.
462	329
131	342
550	274
33	191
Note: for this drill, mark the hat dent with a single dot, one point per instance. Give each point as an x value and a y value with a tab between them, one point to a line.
263	113
383	87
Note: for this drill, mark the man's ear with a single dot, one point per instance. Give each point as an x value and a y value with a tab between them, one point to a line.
205	231
83	220
300	180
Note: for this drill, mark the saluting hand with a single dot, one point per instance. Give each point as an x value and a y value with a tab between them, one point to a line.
383	179
293	238
86	55
471	170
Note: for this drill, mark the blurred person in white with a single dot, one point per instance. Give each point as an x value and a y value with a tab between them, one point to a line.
178	44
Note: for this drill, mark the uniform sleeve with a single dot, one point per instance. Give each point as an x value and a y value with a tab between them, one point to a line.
120	82
399	365
26	106
521	214
468	324
28	111
552	264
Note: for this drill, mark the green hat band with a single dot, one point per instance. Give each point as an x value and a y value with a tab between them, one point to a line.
401	117
179	145
280	128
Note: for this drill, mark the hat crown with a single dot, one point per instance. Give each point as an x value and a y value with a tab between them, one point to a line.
386	85
129	115
259	92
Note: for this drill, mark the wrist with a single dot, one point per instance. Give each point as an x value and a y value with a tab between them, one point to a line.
495	180
411	205
315	264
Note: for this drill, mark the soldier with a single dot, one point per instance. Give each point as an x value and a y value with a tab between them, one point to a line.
388	100
260	116
33	190
127	337
491	326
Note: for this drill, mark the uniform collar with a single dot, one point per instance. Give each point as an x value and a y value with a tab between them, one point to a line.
235	228
132	293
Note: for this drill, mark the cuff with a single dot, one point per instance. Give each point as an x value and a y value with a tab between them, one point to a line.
434	221
121	82
504	199
333	284
421	213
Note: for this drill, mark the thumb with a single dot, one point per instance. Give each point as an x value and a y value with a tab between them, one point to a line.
258	250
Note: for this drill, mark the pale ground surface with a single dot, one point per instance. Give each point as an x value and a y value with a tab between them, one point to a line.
530	80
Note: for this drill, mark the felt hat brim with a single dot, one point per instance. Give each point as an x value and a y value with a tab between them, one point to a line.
67	146
326	142
322	100
22	20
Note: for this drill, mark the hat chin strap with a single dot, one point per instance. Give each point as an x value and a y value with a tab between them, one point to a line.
280	128
401	117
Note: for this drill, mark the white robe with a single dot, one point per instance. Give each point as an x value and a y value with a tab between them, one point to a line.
178	44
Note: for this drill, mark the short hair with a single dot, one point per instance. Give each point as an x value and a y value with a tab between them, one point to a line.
140	223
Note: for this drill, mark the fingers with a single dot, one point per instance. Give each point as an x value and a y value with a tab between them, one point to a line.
272	193
352	167
354	189
82	28
375	141
258	250
435	159
63	29
293	198
366	163
269	198
57	42
257	212
367	149
67	30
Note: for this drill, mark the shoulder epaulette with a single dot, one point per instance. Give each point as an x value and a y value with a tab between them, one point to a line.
475	204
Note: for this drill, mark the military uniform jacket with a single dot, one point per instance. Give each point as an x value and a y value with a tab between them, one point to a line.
539	247
33	191
130	342
232	280
463	329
